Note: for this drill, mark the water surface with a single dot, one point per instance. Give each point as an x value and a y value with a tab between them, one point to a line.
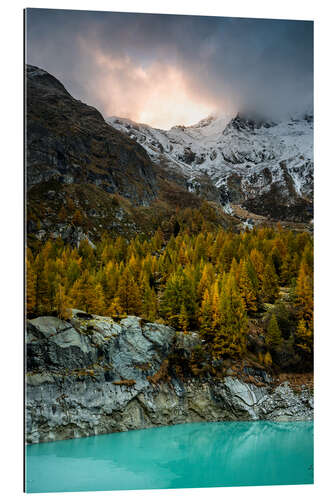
181	456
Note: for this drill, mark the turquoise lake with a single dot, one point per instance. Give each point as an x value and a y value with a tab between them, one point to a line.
181	456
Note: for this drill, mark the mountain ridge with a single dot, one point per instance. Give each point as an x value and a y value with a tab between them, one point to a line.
70	141
246	160
85	176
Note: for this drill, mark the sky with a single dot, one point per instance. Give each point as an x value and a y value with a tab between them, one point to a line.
168	70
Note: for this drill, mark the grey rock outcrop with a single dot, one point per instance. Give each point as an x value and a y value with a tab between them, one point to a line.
92	375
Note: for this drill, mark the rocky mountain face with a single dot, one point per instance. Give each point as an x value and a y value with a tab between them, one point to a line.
75	160
264	168
84	177
69	142
92	375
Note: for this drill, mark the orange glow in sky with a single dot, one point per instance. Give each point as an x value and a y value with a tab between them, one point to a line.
170	103
159	94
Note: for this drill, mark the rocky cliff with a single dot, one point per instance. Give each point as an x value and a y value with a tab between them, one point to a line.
91	375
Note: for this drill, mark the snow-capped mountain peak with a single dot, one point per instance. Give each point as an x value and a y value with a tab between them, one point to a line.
247	160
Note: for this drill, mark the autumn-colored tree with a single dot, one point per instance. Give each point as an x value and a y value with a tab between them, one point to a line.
115	310
304	295
31	280
62	214
270	284
216	305
129	294
200	248
70	205
304	305
109	280
235	269
157	240
206	280
96	301
135	266
78	217
87	294
226	255
86	251
201	278
183	254
246	288
258	263
268	359
304	336
62	303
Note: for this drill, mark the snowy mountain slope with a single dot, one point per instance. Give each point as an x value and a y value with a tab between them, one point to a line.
265	167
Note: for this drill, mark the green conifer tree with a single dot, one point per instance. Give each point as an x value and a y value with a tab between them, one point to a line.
230	339
246	288
270	284
273	336
183	321
206	317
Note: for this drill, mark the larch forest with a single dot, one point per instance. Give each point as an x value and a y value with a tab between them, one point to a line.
230	287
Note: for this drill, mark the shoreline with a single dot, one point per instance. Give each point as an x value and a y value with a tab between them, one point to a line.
95	376
181	424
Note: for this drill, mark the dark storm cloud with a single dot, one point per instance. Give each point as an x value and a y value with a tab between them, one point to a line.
116	61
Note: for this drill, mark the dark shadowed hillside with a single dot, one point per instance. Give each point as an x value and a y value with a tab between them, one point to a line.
84	177
69	142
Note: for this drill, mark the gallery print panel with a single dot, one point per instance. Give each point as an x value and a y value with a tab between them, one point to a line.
169	251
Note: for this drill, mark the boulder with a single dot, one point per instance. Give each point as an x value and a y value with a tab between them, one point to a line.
53	343
46	326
